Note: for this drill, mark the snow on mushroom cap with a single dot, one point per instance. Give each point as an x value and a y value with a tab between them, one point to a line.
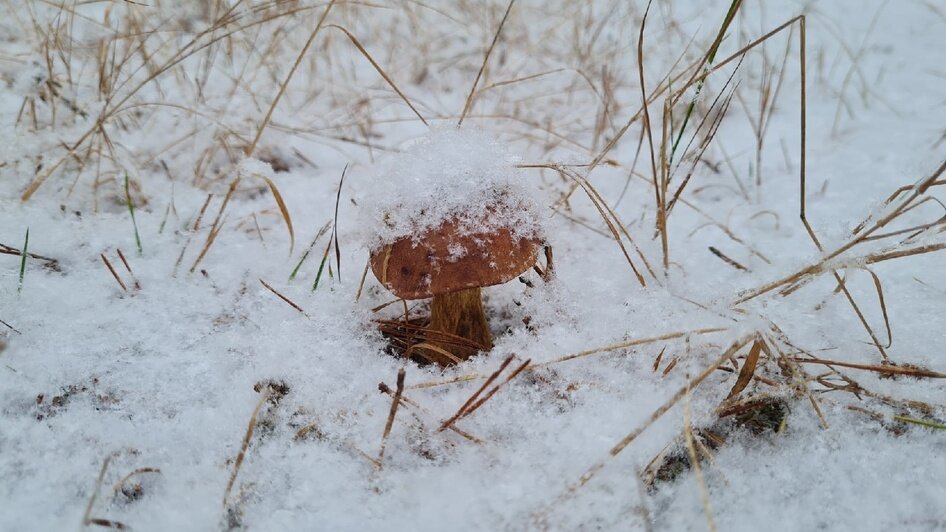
448	173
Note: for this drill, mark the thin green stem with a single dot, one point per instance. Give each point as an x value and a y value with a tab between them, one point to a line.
23	256
131	211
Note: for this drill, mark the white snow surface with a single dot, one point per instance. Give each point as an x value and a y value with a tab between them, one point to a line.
464	174
159	377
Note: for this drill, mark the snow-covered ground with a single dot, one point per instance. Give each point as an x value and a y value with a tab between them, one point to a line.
128	403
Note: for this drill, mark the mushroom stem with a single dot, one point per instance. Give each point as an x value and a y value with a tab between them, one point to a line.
460	314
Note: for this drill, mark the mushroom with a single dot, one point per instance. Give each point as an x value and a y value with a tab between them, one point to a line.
443	218
451	262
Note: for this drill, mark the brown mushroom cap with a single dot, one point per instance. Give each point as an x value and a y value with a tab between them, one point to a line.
448	258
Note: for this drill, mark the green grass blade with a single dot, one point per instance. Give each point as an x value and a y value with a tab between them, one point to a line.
308	250
26	245
923	422
710	57
131	211
318	275
299	265
338	251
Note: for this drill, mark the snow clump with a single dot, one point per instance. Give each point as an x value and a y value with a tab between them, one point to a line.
450	173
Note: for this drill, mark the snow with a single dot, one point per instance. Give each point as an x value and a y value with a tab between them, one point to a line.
449	173
250	167
163	374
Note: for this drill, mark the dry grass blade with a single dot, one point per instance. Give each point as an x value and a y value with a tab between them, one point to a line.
288	301
579	354
607	215
900	253
364	277
283	211
87	518
725	258
140	471
659	357
114	273
738	54
747	371
380	70
114	102
469	99
95	492
817	409
515	373
395	402
282	89
648	131
802	200
8	326
460	411
217	225
913	193
200	214
631	343
887	369
42	177
863	231
525	78
695	463
413	404
116	95
251	427
883	305
610	219
405	331
108	523
128	268
670	366
657	414
665	86
10	250
444	382
427	350
857	311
